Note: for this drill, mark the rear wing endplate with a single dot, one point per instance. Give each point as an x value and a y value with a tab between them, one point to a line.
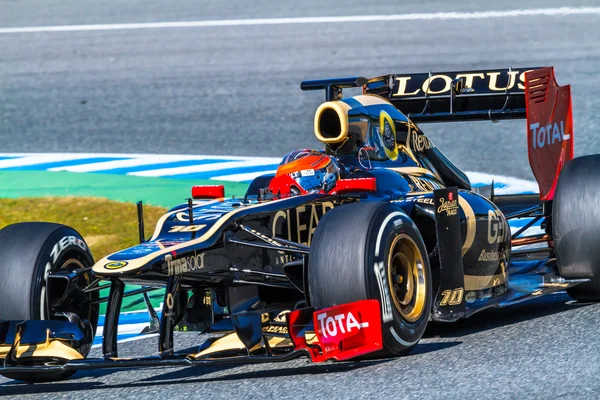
549	128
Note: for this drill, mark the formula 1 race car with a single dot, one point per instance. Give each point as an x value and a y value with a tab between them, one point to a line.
344	253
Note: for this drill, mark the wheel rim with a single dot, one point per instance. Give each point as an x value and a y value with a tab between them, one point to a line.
407	279
72	264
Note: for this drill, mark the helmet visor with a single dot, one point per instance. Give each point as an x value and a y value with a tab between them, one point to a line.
314	180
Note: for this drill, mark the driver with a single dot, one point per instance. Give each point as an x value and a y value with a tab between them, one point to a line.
305	171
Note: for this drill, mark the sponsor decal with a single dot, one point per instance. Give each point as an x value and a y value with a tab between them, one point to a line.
442	83
65	242
486	294
207	299
421	184
169	243
281	317
275	329
386	302
170	301
184	265
387	130
307	172
497	227
450	206
115	265
470	297
343	323
267	239
423	200
494	255
548	135
500	290
300	222
419	142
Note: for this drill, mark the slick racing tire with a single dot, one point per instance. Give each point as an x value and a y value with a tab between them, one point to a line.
373	250
28	251
576	225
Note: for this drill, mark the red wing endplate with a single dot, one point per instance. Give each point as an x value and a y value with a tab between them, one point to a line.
340	333
549	128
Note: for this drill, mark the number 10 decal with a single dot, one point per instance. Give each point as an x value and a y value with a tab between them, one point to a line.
188	228
452	297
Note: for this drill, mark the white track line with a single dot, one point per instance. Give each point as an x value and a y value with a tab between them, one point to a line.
133	162
131	339
126	329
204	168
561	11
131	155
241	177
513	185
33	159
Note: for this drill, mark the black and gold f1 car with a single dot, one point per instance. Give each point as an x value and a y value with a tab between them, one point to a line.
355	269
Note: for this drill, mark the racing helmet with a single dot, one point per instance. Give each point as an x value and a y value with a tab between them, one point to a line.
305	171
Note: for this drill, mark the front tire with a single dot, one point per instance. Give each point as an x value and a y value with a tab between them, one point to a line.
373	250
28	251
576	225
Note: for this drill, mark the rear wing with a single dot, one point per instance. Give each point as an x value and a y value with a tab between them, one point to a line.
523	93
455	96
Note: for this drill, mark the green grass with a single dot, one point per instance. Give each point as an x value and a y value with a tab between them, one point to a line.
106	225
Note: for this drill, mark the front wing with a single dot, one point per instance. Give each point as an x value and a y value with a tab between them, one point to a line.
337	333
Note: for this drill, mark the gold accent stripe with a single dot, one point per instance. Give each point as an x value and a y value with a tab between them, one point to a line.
55	348
226	343
279	342
471	223
4	349
371	99
473	282
414	171
231	342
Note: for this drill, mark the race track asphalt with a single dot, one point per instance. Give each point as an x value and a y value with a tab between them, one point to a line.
546	349
235	90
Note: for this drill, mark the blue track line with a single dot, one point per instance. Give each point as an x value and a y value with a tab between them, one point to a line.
59	164
228	171
166	164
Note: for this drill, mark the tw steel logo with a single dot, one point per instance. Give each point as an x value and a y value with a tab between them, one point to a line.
548	135
331	326
441	83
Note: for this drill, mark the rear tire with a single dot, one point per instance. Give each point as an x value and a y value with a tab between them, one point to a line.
373	250
576	225
28	251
